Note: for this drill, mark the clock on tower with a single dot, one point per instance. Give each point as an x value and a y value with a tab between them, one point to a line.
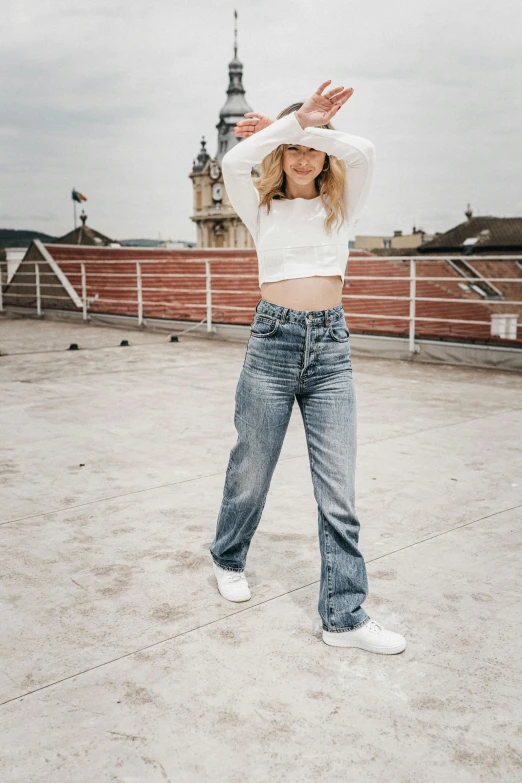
215	170
217	191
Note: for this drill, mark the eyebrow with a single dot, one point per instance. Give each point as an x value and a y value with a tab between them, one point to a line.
300	145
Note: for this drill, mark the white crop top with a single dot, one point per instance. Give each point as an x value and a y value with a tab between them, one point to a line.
292	240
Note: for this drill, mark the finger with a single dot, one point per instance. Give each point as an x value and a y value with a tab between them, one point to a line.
333	111
344	95
341	99
334	90
246	126
331	94
322	86
328	115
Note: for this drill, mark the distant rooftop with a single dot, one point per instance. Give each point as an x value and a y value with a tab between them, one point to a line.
85	235
481	234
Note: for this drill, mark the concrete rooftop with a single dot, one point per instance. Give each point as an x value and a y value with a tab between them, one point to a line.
121	662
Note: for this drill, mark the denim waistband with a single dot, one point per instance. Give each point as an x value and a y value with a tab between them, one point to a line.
300	316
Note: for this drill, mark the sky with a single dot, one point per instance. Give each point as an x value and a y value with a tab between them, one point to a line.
112	98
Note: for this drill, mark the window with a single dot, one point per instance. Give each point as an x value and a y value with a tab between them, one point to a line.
504	325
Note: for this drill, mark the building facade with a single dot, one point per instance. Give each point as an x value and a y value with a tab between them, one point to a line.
398	241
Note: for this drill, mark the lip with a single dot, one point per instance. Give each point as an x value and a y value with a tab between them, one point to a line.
303	171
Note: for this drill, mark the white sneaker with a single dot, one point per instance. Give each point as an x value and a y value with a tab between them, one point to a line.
232	584
370	636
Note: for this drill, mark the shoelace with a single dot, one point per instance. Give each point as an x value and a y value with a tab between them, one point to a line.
236	576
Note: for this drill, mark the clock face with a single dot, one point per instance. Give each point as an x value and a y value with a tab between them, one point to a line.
217	191
215	170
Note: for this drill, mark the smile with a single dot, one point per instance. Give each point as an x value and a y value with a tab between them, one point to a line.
302	171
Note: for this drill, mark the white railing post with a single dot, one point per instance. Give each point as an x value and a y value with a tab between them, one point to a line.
140	293
208	285
38	292
411	346
84	292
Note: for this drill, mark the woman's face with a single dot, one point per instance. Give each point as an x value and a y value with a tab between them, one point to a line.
302	164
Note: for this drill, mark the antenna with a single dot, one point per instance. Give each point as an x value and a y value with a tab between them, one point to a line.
235	33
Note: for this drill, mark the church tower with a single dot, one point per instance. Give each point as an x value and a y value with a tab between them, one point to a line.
217	223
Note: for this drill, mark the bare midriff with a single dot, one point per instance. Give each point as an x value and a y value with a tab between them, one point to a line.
305	293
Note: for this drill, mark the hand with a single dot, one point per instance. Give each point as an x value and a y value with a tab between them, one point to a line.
257	122
319	109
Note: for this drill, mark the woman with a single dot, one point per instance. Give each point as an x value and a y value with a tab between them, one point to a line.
313	185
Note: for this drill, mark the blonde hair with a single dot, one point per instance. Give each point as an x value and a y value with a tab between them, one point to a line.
330	183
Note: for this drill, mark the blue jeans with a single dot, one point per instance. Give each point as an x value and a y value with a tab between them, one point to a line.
303	354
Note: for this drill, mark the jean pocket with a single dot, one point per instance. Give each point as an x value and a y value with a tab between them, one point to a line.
264	325
339	331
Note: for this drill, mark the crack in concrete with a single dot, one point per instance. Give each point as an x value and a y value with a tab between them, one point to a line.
247	609
222	472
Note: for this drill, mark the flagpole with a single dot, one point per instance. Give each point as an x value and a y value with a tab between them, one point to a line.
74	205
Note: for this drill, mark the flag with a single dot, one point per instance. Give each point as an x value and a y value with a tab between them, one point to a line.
76	196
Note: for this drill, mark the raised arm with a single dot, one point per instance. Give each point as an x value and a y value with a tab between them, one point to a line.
359	155
300	127
237	165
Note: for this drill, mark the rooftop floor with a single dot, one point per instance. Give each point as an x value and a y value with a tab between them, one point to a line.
120	660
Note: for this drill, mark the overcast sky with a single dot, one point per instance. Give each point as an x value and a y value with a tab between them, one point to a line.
112	97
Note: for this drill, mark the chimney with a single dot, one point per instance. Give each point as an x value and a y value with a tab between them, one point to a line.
468	213
397	233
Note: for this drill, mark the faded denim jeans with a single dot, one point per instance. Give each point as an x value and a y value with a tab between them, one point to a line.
303	354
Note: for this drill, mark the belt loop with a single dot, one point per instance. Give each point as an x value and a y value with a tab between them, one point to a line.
257	305
326	318
282	320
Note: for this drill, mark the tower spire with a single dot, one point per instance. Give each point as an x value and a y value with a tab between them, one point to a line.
236	104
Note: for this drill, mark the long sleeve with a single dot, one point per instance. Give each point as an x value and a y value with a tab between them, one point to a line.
359	155
237	165
357	152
